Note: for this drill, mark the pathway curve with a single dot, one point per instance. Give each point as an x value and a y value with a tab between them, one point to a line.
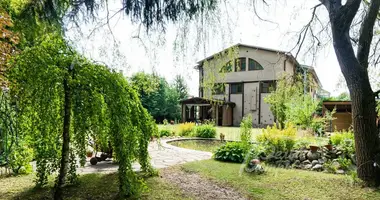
162	155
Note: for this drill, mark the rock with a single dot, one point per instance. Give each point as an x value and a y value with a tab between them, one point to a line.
302	157
313	156
339	153
335	164
297	162
307	166
314	162
340	171
306	162
317	167
321	161
287	163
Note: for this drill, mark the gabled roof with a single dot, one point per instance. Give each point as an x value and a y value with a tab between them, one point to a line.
249	46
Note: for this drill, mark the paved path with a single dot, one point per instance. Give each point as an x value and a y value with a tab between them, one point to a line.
162	155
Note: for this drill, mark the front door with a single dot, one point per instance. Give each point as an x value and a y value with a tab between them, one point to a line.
220	116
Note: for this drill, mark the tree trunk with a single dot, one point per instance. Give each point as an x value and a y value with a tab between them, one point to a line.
363	107
66	141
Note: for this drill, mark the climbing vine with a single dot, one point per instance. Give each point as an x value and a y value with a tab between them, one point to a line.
69	99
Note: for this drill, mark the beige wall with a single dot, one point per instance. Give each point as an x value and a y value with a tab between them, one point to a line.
273	64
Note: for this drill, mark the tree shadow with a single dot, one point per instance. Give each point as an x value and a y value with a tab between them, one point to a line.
90	186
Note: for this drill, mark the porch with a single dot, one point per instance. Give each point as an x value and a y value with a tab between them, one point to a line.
199	109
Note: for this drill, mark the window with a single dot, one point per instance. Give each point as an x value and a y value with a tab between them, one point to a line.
219	88
240	64
226	68
267	87
254	65
236	88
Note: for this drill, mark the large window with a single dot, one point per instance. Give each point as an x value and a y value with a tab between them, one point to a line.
267	87
236	88
254	65
240	64
219	88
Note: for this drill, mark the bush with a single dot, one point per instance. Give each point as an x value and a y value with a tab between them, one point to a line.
186	129
337	138
275	139
165	122
166	133
246	130
231	152
205	131
20	158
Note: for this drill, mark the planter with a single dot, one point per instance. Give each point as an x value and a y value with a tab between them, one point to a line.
89	154
314	148
329	147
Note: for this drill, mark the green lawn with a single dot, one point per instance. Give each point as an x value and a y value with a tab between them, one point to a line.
279	183
92	186
201	145
231	133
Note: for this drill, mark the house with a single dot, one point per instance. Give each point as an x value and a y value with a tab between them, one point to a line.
235	81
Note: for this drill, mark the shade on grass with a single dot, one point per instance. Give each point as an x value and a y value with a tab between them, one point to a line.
91	186
279	183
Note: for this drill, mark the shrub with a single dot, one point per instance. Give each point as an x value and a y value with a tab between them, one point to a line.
337	138
166	133
165	122
20	158
205	131
231	152
186	129
344	163
275	139
245	130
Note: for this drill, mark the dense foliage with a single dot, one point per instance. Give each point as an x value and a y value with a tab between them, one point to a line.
287	88
186	129
158	97
61	92
205	131
275	139
246	131
231	152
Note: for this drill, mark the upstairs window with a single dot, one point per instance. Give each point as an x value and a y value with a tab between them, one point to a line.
240	64
226	68
219	88
267	87
254	65
236	88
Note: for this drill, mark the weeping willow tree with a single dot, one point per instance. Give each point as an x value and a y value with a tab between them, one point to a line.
67	99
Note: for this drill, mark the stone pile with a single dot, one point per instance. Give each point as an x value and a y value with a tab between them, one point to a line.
306	159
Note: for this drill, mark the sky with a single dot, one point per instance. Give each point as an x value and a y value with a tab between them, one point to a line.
236	22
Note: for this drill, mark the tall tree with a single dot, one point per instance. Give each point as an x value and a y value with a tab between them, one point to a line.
354	69
181	87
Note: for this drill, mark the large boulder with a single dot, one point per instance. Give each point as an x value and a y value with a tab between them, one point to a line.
317	167
313	155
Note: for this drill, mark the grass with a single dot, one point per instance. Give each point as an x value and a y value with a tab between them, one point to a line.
91	186
279	183
231	133
202	145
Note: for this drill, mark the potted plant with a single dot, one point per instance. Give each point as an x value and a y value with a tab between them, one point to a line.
314	148
329	146
89	153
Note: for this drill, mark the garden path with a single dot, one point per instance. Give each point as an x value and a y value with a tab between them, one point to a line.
162	155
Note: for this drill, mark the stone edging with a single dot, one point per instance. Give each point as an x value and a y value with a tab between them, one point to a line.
165	143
